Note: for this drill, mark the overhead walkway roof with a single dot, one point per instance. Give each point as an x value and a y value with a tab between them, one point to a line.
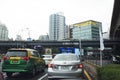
115	22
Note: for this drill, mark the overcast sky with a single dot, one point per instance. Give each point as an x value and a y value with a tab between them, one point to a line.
19	16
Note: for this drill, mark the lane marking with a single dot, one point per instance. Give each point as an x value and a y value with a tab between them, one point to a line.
43	77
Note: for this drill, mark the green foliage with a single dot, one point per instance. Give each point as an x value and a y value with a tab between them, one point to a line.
109	72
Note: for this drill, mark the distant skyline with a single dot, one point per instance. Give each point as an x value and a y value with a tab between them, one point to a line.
24	16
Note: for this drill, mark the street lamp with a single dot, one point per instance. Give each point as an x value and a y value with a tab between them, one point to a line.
101	45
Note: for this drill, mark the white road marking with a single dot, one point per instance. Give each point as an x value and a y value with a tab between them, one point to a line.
42	78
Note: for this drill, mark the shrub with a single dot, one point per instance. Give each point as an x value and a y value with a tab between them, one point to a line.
109	72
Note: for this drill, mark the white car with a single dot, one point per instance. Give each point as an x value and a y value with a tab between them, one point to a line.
65	65
47	58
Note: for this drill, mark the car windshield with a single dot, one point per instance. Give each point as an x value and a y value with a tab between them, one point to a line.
14	53
66	58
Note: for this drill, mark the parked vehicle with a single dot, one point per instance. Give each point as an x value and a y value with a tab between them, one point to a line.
116	59
22	60
47	58
65	65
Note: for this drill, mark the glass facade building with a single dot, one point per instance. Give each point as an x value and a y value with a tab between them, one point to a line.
86	30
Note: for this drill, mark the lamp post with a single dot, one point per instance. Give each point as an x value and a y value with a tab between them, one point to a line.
101	45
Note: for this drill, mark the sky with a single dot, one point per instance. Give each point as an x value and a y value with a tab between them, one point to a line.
31	17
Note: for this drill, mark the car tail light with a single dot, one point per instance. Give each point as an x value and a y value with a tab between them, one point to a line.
5	58
80	66
50	65
25	58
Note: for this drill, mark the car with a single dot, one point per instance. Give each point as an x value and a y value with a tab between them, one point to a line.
1	76
22	60
116	59
47	58
65	65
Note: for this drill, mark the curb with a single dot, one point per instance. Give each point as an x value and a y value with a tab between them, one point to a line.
87	75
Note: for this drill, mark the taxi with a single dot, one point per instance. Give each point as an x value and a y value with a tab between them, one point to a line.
22	60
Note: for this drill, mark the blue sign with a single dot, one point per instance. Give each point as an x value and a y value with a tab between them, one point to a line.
67	50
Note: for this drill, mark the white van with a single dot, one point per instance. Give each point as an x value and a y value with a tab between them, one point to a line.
47	58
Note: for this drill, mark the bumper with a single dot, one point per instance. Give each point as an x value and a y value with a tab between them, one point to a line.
14	70
64	74
10	68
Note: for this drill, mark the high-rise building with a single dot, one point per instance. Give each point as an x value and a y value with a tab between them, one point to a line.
70	29
18	38
57	27
86	30
43	37
3	32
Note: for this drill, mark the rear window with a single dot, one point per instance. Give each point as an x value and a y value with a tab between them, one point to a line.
47	56
66	58
16	53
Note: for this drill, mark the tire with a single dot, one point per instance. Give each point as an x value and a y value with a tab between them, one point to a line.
33	73
9	74
1	76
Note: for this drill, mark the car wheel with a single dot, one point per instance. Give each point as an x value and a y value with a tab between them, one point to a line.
9	74
33	72
43	70
1	76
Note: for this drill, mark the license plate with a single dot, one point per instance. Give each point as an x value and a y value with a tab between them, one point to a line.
15	61
15	58
65	68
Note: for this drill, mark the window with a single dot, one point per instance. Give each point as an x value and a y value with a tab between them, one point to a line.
15	53
36	54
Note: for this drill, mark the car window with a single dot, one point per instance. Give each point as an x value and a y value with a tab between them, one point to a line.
15	53
47	56
66	58
36	54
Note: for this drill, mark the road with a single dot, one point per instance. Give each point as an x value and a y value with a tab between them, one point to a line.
18	76
39	76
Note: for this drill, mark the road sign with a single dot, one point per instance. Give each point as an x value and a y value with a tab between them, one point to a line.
48	51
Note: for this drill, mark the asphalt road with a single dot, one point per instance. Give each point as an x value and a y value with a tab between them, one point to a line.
39	76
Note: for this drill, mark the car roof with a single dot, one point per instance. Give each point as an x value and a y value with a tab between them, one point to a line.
66	54
28	49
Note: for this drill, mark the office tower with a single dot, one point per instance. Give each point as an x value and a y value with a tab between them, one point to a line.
57	27
18	38
3	32
43	37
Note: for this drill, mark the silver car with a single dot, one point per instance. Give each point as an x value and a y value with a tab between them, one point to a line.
65	65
